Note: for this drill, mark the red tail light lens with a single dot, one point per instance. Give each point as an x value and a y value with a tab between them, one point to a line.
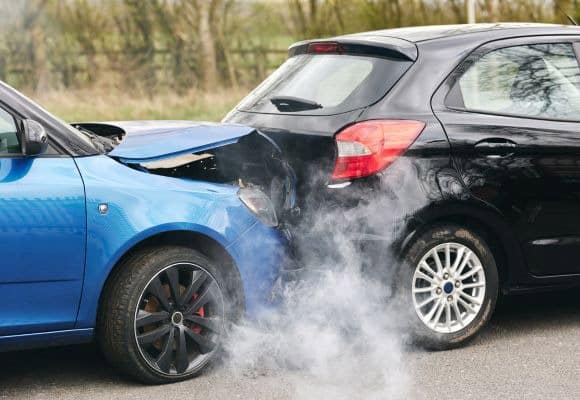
369	147
324	47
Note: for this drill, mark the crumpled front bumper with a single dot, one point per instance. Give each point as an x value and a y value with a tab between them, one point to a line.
261	254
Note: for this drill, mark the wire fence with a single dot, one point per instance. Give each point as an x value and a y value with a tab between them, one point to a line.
157	68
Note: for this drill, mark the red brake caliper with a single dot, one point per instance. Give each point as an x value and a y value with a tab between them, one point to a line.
201	313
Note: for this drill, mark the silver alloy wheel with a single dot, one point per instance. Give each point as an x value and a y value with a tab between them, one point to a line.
448	287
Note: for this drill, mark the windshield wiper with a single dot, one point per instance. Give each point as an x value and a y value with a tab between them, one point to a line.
290	103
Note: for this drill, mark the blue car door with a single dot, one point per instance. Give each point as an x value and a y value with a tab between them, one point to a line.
42	237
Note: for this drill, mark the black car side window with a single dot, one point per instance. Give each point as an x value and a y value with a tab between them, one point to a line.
540	81
9	141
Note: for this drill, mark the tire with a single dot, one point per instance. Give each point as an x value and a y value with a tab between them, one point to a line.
163	314
454	325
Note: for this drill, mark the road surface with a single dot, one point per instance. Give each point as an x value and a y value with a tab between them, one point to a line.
530	350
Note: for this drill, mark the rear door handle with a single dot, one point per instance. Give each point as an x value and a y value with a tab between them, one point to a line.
496	147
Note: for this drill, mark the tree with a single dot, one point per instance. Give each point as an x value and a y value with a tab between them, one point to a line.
207	16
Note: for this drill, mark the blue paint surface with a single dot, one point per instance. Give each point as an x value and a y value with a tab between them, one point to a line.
153	140
57	250
42	244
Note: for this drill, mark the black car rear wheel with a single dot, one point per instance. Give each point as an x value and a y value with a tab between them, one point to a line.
449	286
163	315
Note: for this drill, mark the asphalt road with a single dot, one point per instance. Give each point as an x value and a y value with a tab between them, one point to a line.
531	350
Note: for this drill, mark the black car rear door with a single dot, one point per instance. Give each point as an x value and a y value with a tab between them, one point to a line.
512	115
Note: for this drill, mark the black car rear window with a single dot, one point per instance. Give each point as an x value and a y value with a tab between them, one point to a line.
337	82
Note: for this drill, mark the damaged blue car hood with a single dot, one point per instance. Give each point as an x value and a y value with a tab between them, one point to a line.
154	140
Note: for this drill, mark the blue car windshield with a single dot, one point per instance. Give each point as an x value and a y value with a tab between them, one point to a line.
71	134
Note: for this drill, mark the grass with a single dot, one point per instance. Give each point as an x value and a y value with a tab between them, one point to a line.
92	105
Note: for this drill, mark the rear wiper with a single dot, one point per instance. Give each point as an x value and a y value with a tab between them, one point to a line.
290	103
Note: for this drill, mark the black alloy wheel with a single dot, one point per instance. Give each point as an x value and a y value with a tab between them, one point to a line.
179	319
164	314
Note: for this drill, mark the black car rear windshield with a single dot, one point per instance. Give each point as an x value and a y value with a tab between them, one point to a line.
334	83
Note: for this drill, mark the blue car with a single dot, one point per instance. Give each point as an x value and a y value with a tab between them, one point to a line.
149	237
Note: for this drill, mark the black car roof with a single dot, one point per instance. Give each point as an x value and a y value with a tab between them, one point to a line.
405	41
497	30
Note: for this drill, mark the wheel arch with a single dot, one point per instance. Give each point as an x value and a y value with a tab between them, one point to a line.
205	244
488	223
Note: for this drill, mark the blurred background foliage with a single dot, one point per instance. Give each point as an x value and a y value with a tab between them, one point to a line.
194	59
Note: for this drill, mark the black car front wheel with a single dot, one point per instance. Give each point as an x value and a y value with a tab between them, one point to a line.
450	286
163	315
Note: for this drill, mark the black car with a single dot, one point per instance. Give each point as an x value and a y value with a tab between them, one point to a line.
487	118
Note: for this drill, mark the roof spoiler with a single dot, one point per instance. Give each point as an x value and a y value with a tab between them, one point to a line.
382	46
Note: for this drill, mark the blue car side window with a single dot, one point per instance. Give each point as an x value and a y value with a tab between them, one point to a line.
9	142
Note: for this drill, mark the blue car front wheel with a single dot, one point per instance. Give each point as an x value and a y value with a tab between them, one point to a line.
163	316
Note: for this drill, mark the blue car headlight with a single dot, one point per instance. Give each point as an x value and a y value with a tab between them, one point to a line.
259	204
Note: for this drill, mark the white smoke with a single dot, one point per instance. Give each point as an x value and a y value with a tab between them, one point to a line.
336	326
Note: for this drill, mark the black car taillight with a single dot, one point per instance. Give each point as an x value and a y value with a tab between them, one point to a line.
324	48
369	147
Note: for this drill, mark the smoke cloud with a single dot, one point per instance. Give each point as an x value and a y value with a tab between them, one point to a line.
335	325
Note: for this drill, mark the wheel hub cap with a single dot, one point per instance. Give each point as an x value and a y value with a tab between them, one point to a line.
448	287
177	318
